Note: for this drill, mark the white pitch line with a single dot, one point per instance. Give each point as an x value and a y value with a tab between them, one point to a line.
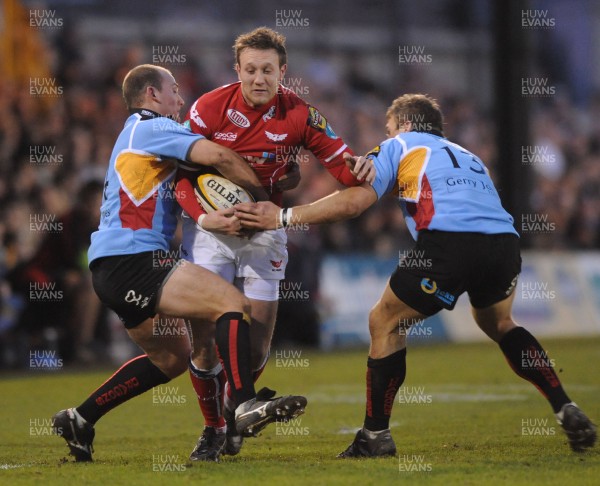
435	397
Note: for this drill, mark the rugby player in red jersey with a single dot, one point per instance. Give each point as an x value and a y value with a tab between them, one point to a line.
267	124
134	275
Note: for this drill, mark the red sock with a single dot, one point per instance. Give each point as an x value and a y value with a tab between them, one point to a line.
209	390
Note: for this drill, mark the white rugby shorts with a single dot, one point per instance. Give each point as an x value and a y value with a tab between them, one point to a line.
255	266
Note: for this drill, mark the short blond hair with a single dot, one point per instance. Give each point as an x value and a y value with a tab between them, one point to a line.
262	38
420	109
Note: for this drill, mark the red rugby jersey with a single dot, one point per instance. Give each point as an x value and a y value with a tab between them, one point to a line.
267	136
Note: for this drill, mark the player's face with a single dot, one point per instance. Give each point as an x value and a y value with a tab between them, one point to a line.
260	73
392	128
168	99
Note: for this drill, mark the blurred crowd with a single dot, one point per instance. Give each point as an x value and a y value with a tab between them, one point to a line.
55	147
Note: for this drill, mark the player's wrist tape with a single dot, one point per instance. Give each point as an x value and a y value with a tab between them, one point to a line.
200	219
285	217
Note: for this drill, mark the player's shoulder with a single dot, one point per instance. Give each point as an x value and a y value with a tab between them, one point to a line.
156	127
291	102
222	94
419	138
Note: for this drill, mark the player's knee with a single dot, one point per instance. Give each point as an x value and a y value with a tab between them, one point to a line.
375	321
172	364
503	326
234	301
204	355
496	328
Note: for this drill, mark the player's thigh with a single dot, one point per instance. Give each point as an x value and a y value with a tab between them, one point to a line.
496	320
194	292
169	351
390	313
204	351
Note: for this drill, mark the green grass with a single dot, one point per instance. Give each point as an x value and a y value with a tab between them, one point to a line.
470	433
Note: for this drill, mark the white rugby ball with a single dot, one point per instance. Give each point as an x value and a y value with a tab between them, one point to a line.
215	192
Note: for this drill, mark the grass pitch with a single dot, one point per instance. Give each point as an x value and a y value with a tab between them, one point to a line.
462	417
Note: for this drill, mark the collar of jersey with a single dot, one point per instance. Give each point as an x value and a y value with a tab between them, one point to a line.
437	133
146	113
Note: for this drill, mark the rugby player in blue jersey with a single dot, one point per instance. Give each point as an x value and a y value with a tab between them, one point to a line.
468	243
134	274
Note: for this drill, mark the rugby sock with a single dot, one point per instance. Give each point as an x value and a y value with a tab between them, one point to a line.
233	343
528	359
384	378
255	374
130	380
209	390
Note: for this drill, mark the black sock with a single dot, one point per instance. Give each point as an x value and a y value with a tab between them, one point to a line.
130	380
384	378
233	344
528	359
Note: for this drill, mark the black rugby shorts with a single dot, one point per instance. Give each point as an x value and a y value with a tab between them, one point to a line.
443	265
130	284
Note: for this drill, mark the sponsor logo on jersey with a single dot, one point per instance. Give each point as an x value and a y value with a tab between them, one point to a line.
276	137
269	114
276	265
238	118
227	136
319	122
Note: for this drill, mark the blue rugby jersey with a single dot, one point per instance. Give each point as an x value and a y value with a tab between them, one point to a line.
139	210
440	185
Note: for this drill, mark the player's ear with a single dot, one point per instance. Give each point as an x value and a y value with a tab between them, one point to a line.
236	68
282	71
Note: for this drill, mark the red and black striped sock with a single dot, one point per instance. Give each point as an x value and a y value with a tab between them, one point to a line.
209	386
228	397
130	380
233	342
528	359
384	378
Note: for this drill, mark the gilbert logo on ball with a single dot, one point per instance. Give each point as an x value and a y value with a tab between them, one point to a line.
215	192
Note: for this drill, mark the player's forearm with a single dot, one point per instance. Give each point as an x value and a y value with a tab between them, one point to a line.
338	206
229	164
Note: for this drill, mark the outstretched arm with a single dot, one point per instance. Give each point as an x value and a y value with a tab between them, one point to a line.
338	206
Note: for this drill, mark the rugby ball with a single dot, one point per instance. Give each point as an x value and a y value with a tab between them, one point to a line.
216	192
